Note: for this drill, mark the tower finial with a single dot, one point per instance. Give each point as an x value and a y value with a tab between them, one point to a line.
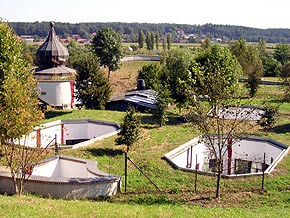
52	24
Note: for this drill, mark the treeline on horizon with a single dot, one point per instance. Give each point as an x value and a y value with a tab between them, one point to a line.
130	31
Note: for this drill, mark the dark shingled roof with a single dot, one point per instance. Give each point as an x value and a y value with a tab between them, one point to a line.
52	53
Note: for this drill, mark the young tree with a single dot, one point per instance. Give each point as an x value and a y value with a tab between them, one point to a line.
269	116
157	38
19	111
93	87
164	44
168	40
141	39
162	102
152	40
129	129
149	41
129	134
255	71
107	45
214	87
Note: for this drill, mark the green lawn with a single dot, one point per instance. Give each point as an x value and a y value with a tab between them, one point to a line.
30	206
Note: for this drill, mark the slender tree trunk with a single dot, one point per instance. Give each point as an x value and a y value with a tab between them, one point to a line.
20	187
15	183
218	181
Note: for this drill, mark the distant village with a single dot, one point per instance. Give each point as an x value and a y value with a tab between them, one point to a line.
181	37
76	37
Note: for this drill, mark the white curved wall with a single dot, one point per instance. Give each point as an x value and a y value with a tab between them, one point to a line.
57	93
251	150
82	129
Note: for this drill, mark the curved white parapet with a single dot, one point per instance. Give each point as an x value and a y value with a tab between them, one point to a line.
70	133
66	177
243	157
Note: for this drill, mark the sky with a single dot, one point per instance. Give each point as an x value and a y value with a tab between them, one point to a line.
251	13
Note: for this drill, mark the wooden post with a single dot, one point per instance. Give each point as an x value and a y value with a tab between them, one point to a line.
55	144
195	179
126	172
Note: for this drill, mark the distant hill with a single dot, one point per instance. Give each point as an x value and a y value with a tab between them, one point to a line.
180	32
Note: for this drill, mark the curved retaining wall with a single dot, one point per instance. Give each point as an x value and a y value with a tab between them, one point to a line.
101	184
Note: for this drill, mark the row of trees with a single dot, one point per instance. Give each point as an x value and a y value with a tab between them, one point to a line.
252	58
130	31
153	39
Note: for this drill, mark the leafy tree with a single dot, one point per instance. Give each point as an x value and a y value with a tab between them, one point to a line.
93	87
150	74
207	44
176	65
162	102
269	117
157	38
150	40
249	59
285	74
141	39
76	52
282	53
29	51
215	76
164	44
271	66
129	129
168	40
107	45
18	106
148	45
183	91
255	71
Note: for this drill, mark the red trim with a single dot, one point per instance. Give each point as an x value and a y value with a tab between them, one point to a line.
38	137
189	157
62	134
72	88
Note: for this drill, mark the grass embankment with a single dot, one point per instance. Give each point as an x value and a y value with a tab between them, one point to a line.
239	197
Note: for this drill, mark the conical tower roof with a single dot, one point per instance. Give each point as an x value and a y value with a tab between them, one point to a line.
52	53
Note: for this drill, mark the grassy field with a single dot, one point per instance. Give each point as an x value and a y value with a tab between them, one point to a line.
239	197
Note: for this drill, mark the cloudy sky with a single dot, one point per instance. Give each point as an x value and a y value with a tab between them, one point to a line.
251	13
